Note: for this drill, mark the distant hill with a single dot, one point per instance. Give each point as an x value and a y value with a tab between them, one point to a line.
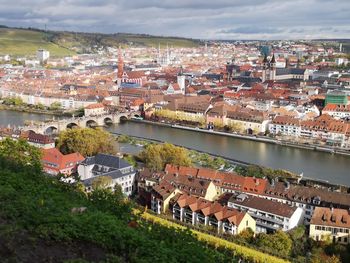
19	41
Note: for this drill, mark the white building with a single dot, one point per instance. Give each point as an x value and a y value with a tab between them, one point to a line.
337	111
284	125
94	109
269	215
43	55
120	171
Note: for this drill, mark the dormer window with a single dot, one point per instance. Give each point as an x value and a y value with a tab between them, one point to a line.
333	218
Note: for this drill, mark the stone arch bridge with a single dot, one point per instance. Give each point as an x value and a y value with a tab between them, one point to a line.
56	126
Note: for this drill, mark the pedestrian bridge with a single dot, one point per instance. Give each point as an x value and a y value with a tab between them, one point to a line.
56	126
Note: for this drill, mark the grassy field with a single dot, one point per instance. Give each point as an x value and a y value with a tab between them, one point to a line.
19	42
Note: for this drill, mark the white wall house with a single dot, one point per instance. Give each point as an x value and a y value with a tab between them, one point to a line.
269	215
285	126
119	170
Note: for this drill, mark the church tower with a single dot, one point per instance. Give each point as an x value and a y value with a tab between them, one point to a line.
265	68
120	67
269	69
273	68
181	80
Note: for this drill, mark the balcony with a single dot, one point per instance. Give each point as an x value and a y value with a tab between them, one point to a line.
267	218
268	225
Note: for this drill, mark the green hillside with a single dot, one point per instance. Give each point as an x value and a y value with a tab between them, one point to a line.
37	223
21	42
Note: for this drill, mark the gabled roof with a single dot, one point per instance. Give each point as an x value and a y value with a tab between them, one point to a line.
263	204
54	157
212	209
164	189
106	160
331	217
186	200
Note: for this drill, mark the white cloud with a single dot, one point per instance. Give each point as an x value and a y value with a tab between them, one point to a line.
225	19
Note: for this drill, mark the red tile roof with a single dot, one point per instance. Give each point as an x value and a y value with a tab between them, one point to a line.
53	159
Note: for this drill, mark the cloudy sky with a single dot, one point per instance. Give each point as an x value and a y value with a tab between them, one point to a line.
216	19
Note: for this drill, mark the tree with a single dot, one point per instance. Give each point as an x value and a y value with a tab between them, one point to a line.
16	101
19	154
40	106
55	106
278	242
113	202
101	182
86	141
247	235
157	156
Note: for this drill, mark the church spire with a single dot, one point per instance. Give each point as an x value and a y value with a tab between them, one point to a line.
120	63
265	59
273	60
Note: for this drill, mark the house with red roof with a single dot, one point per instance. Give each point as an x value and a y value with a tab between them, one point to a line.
54	162
199	211
173	88
94	109
337	111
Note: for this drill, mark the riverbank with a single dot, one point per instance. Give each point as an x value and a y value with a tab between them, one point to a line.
332	150
306	181
34	110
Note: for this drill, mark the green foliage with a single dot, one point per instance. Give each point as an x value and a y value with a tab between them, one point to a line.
19	153
111	201
124	139
262	172
21	42
55	106
205	160
130	159
157	156
86	141
247	254
247	235
42	206
40	106
278	241
27	41
101	182
13	101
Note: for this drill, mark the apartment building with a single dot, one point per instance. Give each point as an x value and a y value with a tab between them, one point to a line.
199	211
330	223
120	171
269	215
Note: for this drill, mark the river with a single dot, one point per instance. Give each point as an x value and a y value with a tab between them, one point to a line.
313	164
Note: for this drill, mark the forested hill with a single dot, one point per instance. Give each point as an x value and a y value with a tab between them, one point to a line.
20	41
38	222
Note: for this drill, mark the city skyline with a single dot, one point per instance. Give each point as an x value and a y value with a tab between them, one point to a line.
252	19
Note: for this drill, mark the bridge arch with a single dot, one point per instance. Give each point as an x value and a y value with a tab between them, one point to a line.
32	131
91	123
137	115
72	125
51	129
108	121
123	117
